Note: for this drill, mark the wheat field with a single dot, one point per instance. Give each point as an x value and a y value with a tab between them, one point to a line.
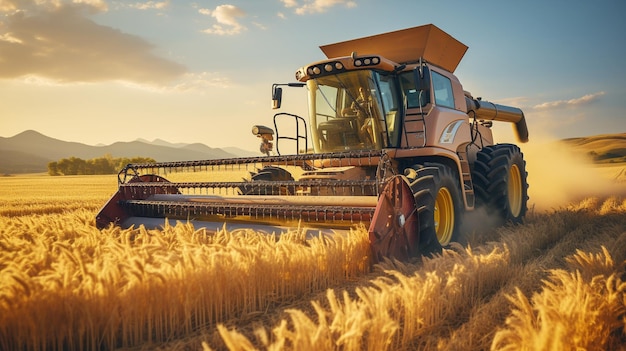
556	282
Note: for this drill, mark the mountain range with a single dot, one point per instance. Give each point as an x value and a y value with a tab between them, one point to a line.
31	151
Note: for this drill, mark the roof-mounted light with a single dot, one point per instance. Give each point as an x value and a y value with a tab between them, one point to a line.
325	68
366	61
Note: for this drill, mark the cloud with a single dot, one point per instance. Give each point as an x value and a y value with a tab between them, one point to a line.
316	6
290	3
200	82
260	25
572	102
61	44
10	6
149	5
227	20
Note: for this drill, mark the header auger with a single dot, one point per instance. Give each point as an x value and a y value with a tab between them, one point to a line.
392	141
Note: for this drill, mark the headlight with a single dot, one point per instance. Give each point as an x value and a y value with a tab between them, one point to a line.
324	68
367	61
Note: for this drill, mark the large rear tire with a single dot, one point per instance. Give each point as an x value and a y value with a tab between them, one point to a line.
437	197
500	182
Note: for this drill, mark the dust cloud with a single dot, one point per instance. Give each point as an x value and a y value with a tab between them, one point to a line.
558	175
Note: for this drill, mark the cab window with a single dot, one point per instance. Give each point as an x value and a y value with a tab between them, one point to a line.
414	98
442	90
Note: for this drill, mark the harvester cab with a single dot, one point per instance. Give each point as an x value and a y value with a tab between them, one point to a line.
392	141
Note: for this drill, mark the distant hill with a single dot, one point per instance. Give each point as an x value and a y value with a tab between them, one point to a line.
602	148
30	151
12	162
201	147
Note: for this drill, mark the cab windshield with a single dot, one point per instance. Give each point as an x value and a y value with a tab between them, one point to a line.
353	111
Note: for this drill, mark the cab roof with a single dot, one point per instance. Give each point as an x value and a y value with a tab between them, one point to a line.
407	45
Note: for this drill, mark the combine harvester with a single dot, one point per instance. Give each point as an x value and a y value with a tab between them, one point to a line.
392	141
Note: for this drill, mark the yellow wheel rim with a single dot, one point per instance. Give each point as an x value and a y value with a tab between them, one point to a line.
444	216
515	191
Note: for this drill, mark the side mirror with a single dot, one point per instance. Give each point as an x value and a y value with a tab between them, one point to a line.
277	93
422	78
422	84
277	96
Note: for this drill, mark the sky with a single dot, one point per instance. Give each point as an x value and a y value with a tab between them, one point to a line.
100	71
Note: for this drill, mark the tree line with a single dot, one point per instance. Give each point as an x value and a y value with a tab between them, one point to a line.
100	165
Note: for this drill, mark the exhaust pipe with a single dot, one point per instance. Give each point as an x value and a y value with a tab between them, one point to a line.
489	111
